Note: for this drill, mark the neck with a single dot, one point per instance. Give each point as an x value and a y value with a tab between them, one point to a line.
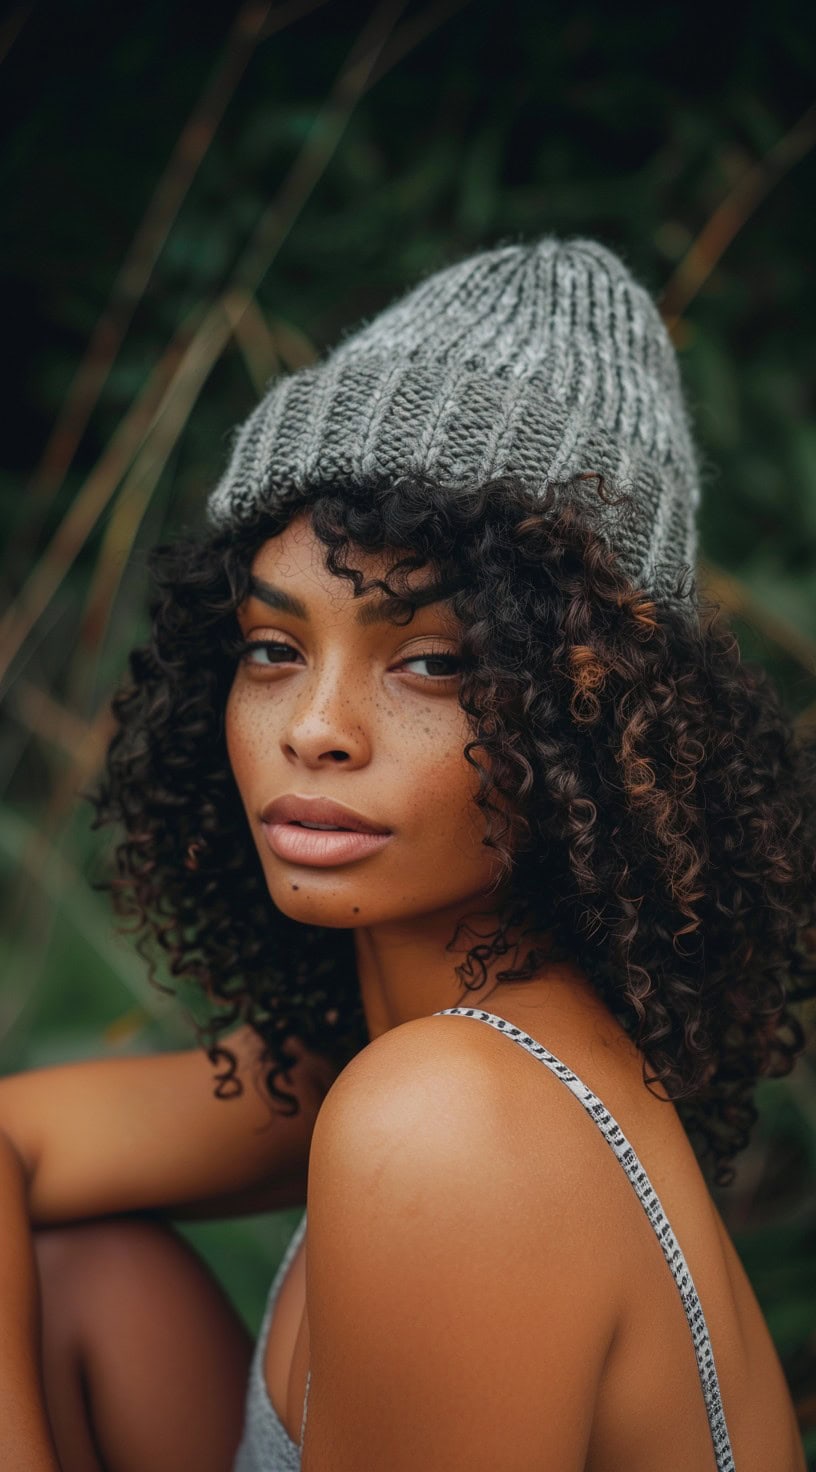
406	971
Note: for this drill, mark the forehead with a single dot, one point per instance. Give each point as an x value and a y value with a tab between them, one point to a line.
297	552
290	571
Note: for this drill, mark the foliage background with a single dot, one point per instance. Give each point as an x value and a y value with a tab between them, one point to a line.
200	197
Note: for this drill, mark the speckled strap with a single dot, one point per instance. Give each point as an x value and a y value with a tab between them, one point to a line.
649	1200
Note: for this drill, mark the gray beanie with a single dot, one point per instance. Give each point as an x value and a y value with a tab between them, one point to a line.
543	360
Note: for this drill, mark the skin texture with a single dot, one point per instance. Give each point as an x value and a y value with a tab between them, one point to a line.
354	713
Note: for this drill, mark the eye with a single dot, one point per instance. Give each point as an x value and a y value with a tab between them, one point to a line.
441	661
277	651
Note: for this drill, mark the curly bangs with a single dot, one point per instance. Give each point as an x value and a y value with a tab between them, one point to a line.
666	807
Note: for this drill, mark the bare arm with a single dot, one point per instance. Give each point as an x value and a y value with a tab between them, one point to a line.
126	1135
27	1441
146	1134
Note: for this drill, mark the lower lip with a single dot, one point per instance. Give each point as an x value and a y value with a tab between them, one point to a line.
320	850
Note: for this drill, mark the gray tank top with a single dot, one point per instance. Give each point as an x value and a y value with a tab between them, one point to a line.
267	1447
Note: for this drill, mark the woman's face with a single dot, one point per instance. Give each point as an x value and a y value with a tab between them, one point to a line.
332	702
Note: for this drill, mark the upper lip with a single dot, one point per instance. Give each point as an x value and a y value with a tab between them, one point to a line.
291	808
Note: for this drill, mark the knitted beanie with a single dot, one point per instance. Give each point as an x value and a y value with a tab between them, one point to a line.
544	360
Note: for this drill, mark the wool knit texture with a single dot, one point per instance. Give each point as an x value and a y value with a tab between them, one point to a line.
544	360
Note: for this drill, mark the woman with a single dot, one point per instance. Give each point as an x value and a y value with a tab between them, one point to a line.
430	732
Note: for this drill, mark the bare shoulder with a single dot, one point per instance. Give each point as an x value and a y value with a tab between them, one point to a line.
408	1068
442	1278
448	1083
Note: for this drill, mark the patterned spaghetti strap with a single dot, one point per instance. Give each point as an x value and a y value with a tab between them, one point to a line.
650	1202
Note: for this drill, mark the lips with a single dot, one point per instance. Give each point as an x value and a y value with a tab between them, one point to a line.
303	810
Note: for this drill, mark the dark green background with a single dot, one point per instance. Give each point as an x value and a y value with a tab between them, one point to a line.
312	196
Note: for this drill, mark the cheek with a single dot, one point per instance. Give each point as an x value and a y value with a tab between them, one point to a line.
244	738
437	780
447	826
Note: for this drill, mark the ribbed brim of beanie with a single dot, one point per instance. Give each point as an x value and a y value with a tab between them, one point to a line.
544	360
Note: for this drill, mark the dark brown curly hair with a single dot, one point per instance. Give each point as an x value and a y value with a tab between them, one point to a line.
666	807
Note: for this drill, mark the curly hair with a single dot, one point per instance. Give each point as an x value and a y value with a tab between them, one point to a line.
666	807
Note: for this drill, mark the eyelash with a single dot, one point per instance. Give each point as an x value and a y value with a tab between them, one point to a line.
244	649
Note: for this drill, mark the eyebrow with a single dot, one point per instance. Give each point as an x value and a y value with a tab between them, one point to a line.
381	610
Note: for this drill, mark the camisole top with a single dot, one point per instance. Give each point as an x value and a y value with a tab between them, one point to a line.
267	1447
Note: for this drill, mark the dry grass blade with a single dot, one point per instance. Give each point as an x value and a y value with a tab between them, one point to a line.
83	743
136	269
90	502
730	216
85	766
295	348
137	490
412	33
324	137
84	762
286	15
54	878
254	338
52	722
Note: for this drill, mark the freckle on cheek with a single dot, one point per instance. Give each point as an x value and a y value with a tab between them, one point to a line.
296	886
355	910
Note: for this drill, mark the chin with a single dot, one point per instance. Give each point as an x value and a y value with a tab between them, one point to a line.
339	901
322	903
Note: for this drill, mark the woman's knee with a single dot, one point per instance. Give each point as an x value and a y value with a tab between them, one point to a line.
79	1263
132	1274
132	1315
73	1262
70	1259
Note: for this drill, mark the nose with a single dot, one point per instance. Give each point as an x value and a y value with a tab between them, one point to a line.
326	723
